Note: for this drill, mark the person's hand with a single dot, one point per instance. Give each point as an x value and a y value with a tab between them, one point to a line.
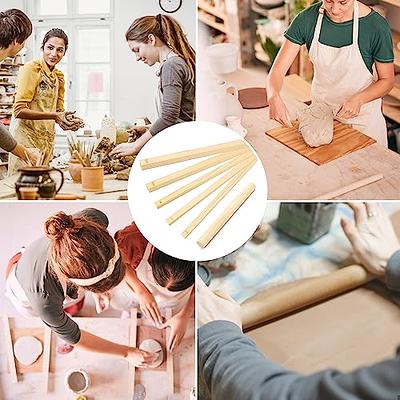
33	155
149	307
350	108
63	122
29	155
216	306
140	358
136	132
177	323
125	149
102	301
278	111
372	236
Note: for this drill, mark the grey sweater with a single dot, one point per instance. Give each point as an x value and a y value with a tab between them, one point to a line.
7	142
231	367
177	94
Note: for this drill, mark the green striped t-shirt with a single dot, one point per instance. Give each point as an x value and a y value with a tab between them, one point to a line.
374	36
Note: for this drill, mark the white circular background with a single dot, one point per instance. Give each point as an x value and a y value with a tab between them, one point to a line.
152	221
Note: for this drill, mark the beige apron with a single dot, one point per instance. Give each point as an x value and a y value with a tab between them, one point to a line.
124	298
340	73
37	133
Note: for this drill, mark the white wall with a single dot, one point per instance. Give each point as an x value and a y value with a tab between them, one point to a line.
134	82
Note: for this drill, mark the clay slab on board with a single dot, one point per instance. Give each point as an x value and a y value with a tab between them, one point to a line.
345	140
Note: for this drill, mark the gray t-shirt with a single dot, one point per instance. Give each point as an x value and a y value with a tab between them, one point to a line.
44	290
7	142
178	94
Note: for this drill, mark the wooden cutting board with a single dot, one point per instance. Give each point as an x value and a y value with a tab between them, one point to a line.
345	141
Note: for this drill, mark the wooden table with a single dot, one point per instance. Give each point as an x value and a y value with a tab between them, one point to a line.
109	376
353	330
113	186
291	176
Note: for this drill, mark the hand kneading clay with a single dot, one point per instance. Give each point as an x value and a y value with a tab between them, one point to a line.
27	349
152	346
316	124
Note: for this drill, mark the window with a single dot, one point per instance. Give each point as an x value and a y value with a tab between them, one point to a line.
88	62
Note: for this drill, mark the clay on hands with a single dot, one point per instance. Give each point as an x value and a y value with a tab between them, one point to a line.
316	124
152	346
77	122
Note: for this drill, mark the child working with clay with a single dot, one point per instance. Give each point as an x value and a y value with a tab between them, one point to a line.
48	278
155	280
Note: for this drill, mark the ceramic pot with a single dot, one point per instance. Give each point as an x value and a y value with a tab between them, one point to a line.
74	169
39	177
92	179
77	381
223	57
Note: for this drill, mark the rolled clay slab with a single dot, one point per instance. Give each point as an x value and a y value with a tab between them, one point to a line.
27	349
152	346
251	98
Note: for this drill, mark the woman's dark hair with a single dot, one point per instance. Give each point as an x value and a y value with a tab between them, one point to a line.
14	25
170	272
81	249
55	32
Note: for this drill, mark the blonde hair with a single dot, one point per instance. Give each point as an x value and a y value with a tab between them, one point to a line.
168	30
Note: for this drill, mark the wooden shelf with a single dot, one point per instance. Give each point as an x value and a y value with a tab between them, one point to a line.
210	21
203	5
7	84
260	54
392	112
396	50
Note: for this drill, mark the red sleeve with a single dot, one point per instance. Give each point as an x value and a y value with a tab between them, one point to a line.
132	245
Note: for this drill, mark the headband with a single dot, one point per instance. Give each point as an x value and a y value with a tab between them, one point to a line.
104	275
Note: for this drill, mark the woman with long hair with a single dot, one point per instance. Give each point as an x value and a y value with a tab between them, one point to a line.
160	39
47	280
39	101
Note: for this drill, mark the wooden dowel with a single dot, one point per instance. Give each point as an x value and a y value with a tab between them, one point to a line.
201	166
279	301
212	231
205	193
191	154
201	180
46	358
10	349
217	199
349	188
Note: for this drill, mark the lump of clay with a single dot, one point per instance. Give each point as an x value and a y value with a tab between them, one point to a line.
316	124
152	346
27	349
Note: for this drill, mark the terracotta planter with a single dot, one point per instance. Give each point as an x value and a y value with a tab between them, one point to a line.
92	179
74	169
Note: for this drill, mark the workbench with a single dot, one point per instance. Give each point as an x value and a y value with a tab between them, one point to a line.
113	188
291	176
109	375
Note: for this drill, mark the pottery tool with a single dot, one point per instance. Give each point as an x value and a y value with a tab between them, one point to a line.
345	141
79	158
217	199
186	155
202	179
219	223
277	302
111	191
170	357
201	166
69	196
235	171
348	188
28	159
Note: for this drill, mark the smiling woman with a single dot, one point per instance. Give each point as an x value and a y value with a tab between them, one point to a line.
39	101
160	39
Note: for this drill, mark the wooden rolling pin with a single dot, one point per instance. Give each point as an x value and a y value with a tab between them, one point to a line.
279	301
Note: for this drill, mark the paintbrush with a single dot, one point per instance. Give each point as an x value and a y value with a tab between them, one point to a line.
79	158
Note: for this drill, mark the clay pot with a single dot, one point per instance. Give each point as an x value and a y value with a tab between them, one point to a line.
77	380
28	193
74	169
40	178
92	179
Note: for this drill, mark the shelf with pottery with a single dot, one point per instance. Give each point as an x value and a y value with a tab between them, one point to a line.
291	176
213	10
210	21
396	50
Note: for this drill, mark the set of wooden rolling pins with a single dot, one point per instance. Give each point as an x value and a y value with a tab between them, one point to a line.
232	161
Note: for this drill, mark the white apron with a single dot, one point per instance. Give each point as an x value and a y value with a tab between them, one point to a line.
124	298
341	72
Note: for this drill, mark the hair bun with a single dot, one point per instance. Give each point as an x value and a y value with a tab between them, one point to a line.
56	225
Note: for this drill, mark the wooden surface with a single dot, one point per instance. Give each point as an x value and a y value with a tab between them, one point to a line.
345	141
291	176
116	187
352	330
151	332
109	375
